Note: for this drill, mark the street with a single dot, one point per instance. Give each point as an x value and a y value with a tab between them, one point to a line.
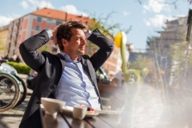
12	118
145	107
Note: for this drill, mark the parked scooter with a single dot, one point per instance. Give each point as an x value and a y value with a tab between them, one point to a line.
12	88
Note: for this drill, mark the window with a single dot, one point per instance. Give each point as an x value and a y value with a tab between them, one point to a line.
50	21
39	19
37	28
166	46
58	22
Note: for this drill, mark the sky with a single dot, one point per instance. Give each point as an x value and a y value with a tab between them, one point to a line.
143	18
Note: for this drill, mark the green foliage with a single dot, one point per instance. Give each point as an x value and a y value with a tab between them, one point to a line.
138	69
20	67
182	58
134	74
140	63
177	50
145	68
97	24
151	43
179	56
107	27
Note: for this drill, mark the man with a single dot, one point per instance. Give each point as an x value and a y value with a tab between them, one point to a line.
68	76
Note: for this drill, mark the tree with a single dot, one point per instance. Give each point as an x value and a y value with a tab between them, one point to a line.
106	28
190	1
168	2
182	64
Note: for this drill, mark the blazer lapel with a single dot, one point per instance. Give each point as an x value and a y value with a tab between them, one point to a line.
87	66
62	60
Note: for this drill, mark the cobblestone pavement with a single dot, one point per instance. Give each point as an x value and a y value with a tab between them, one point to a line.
12	118
144	107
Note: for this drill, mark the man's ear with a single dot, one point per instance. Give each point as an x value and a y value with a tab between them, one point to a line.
64	42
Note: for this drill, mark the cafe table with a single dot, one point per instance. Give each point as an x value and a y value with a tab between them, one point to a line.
106	119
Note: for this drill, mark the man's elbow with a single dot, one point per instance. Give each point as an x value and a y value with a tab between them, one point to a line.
111	46
21	48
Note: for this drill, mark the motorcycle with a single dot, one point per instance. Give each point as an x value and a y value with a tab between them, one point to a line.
12	88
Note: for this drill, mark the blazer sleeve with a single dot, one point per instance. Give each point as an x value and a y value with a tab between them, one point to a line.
105	48
29	53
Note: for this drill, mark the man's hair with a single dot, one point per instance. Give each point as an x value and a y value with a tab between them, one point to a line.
64	31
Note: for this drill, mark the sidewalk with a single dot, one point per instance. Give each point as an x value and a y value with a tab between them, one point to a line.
12	118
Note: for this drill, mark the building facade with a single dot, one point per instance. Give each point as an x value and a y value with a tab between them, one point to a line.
32	23
3	38
160	47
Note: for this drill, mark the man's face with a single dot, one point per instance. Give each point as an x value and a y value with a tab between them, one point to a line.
76	46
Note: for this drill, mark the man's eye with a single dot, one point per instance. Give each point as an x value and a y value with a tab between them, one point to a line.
78	38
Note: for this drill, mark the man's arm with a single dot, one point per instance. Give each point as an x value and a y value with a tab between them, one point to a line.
105	48
28	49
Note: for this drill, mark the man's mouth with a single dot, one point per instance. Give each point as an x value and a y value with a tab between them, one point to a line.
80	51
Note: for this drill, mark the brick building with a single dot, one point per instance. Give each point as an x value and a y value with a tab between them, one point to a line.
32	23
3	38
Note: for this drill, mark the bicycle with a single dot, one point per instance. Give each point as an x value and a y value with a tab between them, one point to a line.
12	88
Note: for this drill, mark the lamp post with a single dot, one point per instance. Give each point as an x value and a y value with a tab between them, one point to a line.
189	21
188	47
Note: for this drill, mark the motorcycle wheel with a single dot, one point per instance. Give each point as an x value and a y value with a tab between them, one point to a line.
9	92
23	91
